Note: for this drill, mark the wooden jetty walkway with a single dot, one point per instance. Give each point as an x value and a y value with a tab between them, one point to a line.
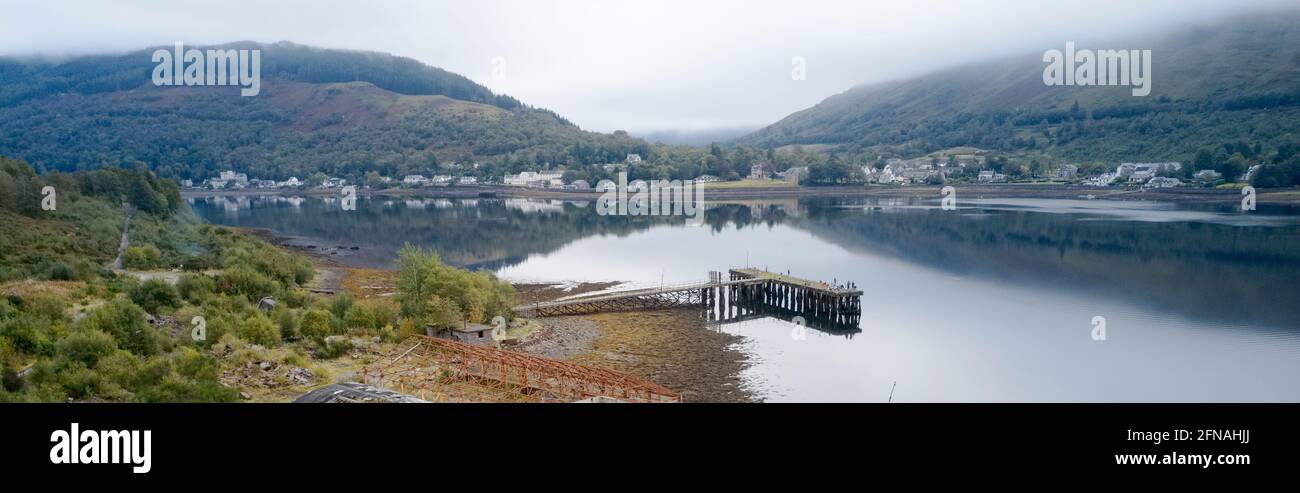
745	290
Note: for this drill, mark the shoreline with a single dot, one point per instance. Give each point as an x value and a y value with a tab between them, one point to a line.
672	347
1182	195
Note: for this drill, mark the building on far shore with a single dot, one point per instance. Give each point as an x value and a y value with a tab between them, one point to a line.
1163	182
534	179
1067	171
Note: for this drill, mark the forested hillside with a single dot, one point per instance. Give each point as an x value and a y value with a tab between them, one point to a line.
338	112
1234	80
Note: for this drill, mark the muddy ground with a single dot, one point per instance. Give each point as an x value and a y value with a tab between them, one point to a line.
674	348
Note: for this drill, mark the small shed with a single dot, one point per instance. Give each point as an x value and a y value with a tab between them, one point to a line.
477	334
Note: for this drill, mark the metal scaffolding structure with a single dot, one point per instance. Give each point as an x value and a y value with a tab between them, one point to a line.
442	370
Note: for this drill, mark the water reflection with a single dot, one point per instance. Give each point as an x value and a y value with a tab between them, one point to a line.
991	302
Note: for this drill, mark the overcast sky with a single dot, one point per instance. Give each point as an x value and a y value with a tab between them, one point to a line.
639	66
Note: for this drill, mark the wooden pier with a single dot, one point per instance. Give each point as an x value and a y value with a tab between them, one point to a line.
744	292
793	296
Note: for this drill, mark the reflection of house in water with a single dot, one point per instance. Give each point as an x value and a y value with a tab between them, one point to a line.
230	204
534	206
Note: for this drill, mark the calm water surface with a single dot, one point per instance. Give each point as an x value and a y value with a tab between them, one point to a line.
992	302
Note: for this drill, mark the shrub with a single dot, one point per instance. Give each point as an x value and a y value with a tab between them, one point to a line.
28	334
47	307
358	320
154	294
142	257
125	322
341	304
195	287
315	324
248	283
10	380
303	272
333	347
258	329
288	323
86	347
7	309
61	271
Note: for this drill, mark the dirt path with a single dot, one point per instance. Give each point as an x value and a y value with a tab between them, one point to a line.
126	239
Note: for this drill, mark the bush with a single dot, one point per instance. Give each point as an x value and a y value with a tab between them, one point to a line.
341	304
258	329
28	334
333	347
7	309
86	347
154	294
46	307
142	257
125	322
61	271
369	316
250	284
195	287
315	324
10	380
288	323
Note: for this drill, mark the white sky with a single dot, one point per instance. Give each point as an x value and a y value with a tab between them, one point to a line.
612	64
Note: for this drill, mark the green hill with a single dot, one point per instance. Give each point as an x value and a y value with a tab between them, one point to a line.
1234	80
340	112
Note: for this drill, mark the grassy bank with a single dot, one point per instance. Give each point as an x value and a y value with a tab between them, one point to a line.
182	322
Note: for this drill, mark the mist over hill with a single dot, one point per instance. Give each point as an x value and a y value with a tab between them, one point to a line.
1233	80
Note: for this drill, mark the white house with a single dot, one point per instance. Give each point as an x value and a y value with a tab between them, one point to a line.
528	178
989	176
1141	173
1162	182
633	159
415	180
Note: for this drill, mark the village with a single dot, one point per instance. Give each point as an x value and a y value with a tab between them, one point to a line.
928	170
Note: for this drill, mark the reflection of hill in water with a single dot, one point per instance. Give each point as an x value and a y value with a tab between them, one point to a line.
1228	273
486	234
1233	274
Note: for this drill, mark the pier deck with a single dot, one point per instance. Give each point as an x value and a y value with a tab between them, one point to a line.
746	291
